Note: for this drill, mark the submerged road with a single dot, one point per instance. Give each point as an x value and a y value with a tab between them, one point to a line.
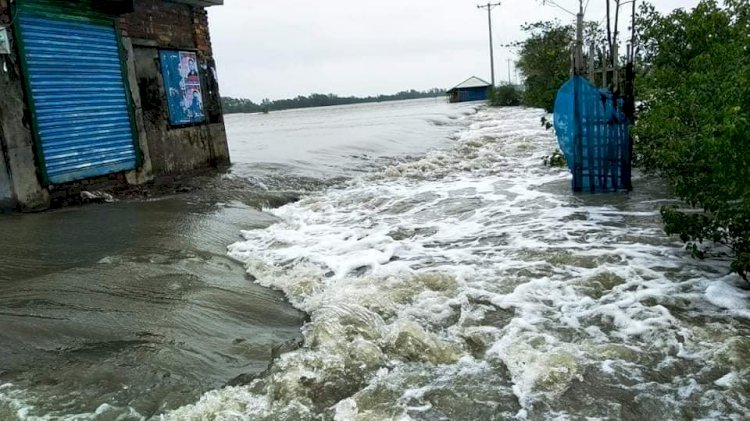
446	273
133	309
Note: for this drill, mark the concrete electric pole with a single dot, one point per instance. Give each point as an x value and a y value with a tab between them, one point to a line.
489	7
579	66
510	81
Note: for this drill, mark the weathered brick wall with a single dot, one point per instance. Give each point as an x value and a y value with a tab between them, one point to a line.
153	25
4	18
168	24
202	34
159	24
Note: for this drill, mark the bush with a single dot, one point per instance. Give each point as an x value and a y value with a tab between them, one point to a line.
694	123
505	96
556	159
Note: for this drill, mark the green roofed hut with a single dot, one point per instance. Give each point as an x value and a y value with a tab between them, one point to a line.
472	89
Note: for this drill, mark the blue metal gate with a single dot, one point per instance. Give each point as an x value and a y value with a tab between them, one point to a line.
79	99
593	133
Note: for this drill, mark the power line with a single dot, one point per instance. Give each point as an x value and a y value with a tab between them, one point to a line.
554	4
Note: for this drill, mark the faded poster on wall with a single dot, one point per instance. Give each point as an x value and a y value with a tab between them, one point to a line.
182	83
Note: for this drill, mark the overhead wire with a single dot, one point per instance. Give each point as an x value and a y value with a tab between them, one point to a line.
554	4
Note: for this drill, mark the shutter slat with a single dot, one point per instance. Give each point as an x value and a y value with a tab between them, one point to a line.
78	92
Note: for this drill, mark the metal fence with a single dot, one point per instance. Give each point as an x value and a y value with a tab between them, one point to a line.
593	133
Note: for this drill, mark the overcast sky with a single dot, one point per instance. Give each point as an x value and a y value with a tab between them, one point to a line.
284	48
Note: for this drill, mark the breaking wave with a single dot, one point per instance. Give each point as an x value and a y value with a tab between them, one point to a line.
471	284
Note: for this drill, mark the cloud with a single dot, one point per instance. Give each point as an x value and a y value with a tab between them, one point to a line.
284	48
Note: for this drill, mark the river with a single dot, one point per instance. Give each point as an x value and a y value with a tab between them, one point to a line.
434	270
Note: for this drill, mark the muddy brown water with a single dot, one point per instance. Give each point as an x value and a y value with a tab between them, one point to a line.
130	309
445	273
134	305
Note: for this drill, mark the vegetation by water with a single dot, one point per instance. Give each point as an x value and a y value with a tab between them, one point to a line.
505	96
555	159
694	123
242	105
544	60
692	127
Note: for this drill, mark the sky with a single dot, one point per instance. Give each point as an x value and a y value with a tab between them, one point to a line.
283	48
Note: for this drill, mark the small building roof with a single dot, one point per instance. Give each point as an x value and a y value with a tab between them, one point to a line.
472	82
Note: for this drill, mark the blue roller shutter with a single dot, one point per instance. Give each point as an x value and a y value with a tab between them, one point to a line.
77	88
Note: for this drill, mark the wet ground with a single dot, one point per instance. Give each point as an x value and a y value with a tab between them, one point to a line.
445	272
134	308
471	284
133	305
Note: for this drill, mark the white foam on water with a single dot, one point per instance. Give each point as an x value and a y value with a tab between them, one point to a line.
15	404
11	406
471	284
729	297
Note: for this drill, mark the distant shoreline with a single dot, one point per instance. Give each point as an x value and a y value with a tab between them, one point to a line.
341	105
245	106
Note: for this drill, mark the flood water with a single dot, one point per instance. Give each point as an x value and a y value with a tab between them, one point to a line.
128	310
446	274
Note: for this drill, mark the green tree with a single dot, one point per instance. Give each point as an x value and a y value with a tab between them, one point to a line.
545	58
694	121
544	61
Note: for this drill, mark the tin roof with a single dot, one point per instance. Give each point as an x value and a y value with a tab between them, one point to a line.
472	82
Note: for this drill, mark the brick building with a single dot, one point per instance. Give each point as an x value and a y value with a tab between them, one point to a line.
104	91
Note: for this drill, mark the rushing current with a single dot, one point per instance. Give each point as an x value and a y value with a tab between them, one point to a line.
472	284
447	274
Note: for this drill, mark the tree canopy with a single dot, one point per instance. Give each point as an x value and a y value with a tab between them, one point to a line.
544	60
694	122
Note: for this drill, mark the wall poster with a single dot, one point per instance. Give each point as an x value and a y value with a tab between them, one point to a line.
182	83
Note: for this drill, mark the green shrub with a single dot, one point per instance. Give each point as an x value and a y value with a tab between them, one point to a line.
694	124
556	159
505	96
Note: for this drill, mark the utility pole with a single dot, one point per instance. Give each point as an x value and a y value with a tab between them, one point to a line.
609	31
577	114
579	66
630	98
615	51
489	7
510	81
632	33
